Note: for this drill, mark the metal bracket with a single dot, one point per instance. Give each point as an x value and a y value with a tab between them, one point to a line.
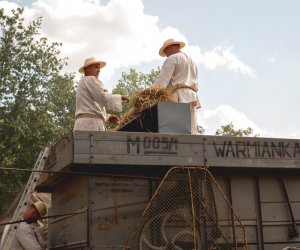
293	230
204	154
91	149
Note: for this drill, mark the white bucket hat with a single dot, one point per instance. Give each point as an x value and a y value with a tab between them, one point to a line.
40	207
90	61
168	43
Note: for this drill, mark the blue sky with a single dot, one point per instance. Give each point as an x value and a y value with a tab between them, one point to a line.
247	51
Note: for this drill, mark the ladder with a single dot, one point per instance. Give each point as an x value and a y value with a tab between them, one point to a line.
25	198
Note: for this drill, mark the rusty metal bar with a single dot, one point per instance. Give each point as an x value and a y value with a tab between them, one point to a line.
231	212
259	226
292	231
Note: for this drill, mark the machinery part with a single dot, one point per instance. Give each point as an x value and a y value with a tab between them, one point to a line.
170	237
184	213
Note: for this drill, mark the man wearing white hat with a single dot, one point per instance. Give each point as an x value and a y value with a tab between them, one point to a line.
26	238
93	99
179	72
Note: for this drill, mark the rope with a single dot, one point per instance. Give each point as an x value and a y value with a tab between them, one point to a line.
231	207
193	210
81	173
79	212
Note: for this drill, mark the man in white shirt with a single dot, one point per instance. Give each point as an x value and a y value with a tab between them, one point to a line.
93	99
179	72
26	238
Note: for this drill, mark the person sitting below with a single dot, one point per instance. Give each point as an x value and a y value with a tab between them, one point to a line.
26	237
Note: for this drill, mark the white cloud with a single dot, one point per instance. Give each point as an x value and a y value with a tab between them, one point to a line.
7	6
118	32
222	55
212	120
289	132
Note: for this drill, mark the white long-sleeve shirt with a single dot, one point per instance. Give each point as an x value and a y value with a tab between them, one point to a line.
180	70
93	98
25	238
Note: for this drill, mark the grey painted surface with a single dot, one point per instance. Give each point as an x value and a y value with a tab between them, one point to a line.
133	148
174	118
275	218
115	204
71	196
110	210
163	117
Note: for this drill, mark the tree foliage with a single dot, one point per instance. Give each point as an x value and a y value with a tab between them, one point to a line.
133	82
36	101
229	130
200	130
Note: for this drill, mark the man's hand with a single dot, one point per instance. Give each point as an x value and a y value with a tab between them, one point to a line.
114	119
125	98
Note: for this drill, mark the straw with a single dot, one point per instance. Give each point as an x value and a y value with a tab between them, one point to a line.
144	100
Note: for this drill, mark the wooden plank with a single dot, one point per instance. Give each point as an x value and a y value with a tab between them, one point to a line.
292	244
279	212
276	234
126	200
123	136
167	149
220	151
271	190
292	185
61	155
251	233
158	160
166	146
252	152
243	197
69	232
219	146
253	163
69	197
137	149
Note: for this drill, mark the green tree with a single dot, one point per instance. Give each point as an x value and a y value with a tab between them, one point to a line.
36	101
200	130
133	82
229	130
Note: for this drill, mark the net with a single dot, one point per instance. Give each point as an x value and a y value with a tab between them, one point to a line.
188	211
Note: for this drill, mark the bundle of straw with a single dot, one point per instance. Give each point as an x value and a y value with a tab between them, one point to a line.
146	99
